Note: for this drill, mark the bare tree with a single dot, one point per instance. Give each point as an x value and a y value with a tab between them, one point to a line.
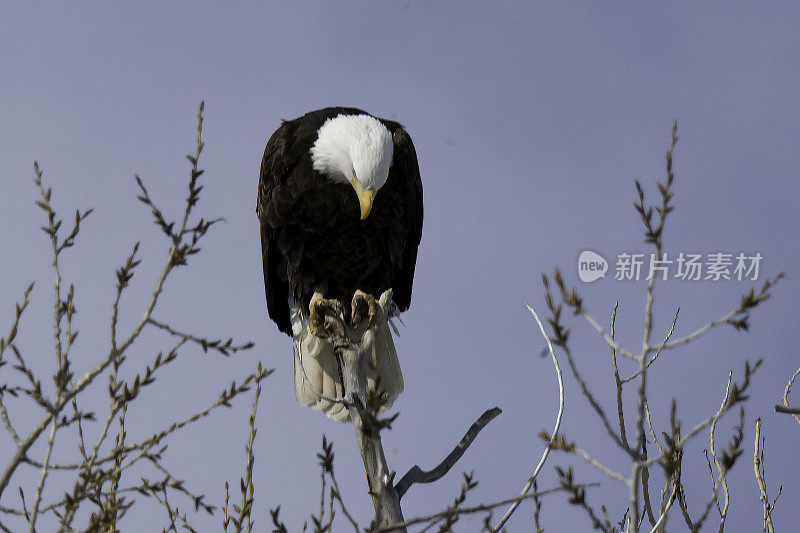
633	439
671	445
110	466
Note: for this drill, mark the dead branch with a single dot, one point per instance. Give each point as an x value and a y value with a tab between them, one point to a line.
758	467
786	408
546	452
353	346
418	475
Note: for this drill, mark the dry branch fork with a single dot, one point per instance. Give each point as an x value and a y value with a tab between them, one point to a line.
353	347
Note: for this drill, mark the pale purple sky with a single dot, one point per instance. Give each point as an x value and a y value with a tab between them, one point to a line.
530	122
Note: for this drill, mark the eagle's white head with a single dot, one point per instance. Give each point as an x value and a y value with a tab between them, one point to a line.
354	149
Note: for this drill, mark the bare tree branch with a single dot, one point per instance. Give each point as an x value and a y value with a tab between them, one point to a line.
546	452
758	467
418	475
99	474
609	338
617	382
723	512
475	509
658	351
786	408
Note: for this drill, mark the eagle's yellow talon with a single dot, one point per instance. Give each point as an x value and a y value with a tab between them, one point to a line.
318	309
362	304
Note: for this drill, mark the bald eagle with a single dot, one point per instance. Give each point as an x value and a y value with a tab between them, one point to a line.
340	207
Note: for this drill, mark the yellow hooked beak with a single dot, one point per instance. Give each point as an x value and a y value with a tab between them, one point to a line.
365	198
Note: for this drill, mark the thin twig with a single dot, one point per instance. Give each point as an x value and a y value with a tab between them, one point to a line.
711	501
225	348
601	467
51	230
40	487
786	408
4	343
681	443
650	425
546	452
658	351
338	496
758	466
173	513
654	236
537	507
608	338
617	382
648	507
474	509
663	516
711	477
247	486
723	513
701	331
593	402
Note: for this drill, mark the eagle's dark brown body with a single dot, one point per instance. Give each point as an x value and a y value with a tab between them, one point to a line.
312	236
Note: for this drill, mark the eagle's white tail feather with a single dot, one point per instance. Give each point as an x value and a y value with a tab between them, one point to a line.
317	374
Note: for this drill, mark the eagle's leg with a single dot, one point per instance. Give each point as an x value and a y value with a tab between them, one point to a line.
365	304
362	304
321	311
